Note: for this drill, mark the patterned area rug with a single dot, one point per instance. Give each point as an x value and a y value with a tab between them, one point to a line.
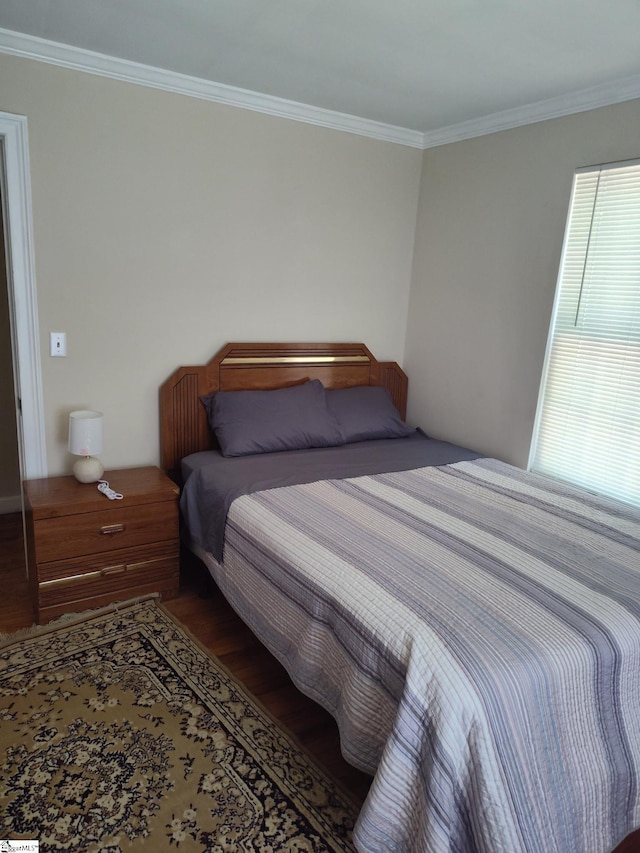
118	731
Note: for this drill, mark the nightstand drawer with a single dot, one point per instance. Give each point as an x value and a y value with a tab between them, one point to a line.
122	571
99	532
112	562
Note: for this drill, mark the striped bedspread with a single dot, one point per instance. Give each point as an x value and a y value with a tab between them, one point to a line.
475	631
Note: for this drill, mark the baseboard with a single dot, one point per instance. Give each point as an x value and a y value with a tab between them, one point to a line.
10	503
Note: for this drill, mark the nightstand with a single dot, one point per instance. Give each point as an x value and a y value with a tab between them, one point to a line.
86	550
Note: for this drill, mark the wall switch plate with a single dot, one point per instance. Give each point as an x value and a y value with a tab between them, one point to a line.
58	343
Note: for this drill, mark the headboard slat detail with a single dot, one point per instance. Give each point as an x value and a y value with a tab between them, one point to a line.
394	379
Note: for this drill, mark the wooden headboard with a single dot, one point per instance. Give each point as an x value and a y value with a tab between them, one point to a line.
183	423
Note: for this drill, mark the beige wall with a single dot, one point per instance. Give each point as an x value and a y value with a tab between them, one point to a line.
488	243
165	226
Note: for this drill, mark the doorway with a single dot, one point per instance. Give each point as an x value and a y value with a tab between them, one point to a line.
15	179
22	446
10	500
13	564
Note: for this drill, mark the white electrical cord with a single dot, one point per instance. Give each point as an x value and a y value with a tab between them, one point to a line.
103	486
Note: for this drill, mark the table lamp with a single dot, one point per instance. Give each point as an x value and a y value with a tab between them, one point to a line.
85	440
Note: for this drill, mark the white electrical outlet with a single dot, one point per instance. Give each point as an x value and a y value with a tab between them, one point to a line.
58	343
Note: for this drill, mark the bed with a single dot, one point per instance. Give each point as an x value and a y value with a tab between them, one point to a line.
473	628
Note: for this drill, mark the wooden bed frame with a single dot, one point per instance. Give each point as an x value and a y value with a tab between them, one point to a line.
183	423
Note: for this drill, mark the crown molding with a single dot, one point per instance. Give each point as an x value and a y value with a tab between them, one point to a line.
626	89
66	56
78	59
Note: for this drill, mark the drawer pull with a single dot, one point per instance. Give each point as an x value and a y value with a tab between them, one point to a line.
108	529
113	570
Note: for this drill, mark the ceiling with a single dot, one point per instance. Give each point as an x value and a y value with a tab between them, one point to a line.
431	69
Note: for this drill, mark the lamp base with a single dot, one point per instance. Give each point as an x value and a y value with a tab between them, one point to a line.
88	469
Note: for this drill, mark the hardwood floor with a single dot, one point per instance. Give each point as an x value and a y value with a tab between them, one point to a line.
201	608
15	607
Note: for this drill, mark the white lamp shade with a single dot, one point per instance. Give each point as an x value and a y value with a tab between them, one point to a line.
85	433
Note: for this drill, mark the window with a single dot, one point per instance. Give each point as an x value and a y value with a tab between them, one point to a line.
588	421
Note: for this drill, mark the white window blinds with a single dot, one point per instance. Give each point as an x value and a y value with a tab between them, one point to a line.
588	421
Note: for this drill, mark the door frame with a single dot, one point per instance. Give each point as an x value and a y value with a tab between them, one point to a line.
21	281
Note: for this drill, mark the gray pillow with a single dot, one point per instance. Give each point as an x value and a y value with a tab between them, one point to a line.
366	412
291	418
